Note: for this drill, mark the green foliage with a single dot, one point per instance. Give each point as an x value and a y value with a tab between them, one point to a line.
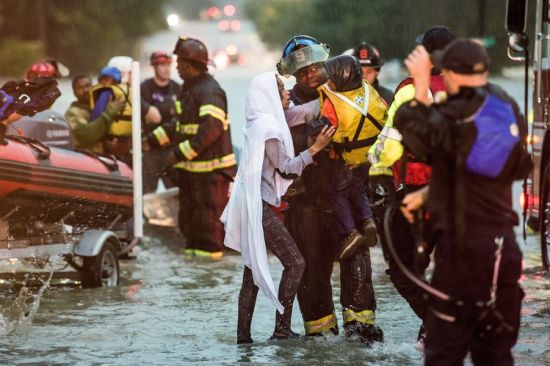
391	25
83	34
15	54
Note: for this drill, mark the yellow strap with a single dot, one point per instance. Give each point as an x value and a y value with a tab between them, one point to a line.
189	128
187	150
206	166
161	136
365	316
320	325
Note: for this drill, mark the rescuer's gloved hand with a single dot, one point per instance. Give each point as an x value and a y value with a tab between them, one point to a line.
315	126
6	100
382	189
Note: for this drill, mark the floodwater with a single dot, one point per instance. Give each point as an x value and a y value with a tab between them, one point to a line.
171	310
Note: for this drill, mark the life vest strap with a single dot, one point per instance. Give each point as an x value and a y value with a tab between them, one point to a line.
348	145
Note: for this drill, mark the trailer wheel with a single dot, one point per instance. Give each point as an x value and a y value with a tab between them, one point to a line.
545	222
102	269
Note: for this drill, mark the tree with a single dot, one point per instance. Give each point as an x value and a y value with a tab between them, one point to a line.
83	34
391	25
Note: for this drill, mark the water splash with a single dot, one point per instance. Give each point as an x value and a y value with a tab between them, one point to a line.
19	310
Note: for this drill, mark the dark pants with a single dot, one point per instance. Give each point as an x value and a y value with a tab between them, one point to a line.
382	194
314	229
281	244
349	195
404	243
202	198
448	343
154	164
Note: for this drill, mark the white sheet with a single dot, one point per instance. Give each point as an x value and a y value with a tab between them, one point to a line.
242	216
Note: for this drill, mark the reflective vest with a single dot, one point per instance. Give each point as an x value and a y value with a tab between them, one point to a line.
122	125
417	173
361	115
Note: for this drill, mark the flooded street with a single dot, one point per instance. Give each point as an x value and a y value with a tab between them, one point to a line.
172	310
169	310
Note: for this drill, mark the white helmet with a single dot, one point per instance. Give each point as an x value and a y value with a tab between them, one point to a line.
123	63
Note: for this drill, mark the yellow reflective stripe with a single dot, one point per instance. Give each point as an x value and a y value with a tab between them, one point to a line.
380	171
161	136
216	112
320	325
189	128
365	316
190	252
187	150
179	109
210	109
206	166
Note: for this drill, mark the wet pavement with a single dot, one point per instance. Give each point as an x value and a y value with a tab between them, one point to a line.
169	310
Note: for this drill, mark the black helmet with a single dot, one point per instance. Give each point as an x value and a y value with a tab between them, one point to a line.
367	54
301	51
192	49
436	38
345	72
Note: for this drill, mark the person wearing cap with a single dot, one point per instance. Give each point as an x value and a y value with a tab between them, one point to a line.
201	151
475	144
371	63
48	68
160	106
88	133
310	218
385	157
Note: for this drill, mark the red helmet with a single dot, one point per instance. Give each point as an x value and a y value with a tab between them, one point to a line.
192	49
42	69
159	57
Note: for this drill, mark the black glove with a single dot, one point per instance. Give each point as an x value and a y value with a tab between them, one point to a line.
31	97
382	189
315	126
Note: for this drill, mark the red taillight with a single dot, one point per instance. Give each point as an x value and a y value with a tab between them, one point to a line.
522	200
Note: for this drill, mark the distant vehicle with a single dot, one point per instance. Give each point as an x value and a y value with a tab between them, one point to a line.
229	55
49	127
536	201
229	25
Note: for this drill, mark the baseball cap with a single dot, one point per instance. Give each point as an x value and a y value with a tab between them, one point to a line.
462	56
436	38
159	57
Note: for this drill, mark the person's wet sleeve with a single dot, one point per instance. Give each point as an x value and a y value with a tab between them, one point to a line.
299	114
388	149
164	135
213	123
87	133
286	165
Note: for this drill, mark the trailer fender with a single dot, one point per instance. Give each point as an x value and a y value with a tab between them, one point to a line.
92	241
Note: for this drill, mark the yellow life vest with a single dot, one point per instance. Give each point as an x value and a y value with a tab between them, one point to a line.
361	115
122	124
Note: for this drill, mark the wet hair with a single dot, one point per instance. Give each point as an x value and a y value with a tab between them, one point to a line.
77	78
345	72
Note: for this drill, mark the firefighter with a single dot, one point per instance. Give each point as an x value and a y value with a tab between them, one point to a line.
202	151
475	143
371	64
312	223
387	152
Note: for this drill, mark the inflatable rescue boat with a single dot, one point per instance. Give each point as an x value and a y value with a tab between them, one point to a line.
49	184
